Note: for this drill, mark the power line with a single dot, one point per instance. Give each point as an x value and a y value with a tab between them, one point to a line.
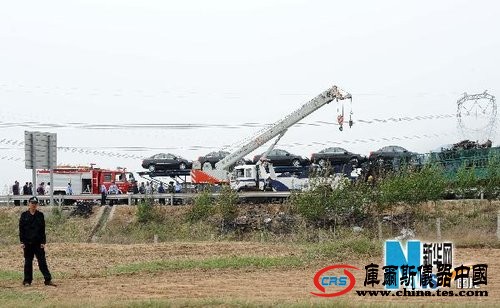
180	93
190	126
97	151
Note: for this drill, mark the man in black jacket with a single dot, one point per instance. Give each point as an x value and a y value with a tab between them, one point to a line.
15	192
26	192
33	239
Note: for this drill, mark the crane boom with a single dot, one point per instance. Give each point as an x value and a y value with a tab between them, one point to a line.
282	125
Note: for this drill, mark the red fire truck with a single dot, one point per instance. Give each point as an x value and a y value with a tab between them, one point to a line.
86	180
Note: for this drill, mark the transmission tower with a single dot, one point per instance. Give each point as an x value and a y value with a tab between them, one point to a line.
477	116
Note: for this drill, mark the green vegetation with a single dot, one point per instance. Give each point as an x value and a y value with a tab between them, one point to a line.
203	207
226	208
146	211
9	222
13	298
330	212
466	181
411	187
208	264
492	185
351	203
343	249
11	275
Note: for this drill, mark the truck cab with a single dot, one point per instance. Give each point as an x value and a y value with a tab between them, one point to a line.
262	177
245	178
123	180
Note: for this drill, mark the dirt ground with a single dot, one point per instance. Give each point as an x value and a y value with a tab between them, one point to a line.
80	272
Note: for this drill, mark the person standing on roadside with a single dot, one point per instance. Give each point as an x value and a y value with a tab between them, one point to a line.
104	192
26	192
15	192
142	189
135	191
161	190
69	192
47	189
113	190
47	192
69	189
33	239
40	191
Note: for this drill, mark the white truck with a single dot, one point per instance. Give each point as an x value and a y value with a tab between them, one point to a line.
262	175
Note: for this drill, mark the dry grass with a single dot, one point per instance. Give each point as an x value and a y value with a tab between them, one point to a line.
218	274
193	266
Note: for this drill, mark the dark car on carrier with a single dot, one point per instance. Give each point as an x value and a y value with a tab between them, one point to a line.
165	161
336	156
214	157
392	153
283	158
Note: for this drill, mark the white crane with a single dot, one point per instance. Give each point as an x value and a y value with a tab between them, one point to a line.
220	173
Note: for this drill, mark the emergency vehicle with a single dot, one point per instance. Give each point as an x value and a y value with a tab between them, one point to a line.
85	179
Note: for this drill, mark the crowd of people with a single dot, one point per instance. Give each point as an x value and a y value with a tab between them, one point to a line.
27	190
144	188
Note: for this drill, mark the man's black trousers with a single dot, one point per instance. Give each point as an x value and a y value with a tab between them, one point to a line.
103	198
31	250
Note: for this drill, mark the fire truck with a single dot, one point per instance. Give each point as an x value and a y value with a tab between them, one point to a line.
249	177
85	179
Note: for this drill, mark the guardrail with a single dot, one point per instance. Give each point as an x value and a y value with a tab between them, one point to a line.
170	198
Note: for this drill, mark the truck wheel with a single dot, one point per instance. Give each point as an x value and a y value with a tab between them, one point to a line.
322	163
182	166
151	168
296	163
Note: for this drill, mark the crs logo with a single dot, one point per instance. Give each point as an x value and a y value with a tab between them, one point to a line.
320	281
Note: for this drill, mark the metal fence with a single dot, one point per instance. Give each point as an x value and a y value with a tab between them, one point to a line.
170	198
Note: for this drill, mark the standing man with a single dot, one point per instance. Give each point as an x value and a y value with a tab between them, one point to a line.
113	190
149	188
47	189
135	191
15	192
104	192
41	191
142	189
69	189
47	192
26	192
161	190
33	239
69	192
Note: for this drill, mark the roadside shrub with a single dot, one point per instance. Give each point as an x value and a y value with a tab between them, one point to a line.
430	184
57	216
226	206
202	208
466	181
354	201
333	203
313	204
492	185
411	186
145	212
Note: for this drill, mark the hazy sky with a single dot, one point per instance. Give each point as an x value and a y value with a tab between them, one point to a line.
81	63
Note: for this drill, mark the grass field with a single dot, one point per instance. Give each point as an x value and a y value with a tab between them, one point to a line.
126	268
